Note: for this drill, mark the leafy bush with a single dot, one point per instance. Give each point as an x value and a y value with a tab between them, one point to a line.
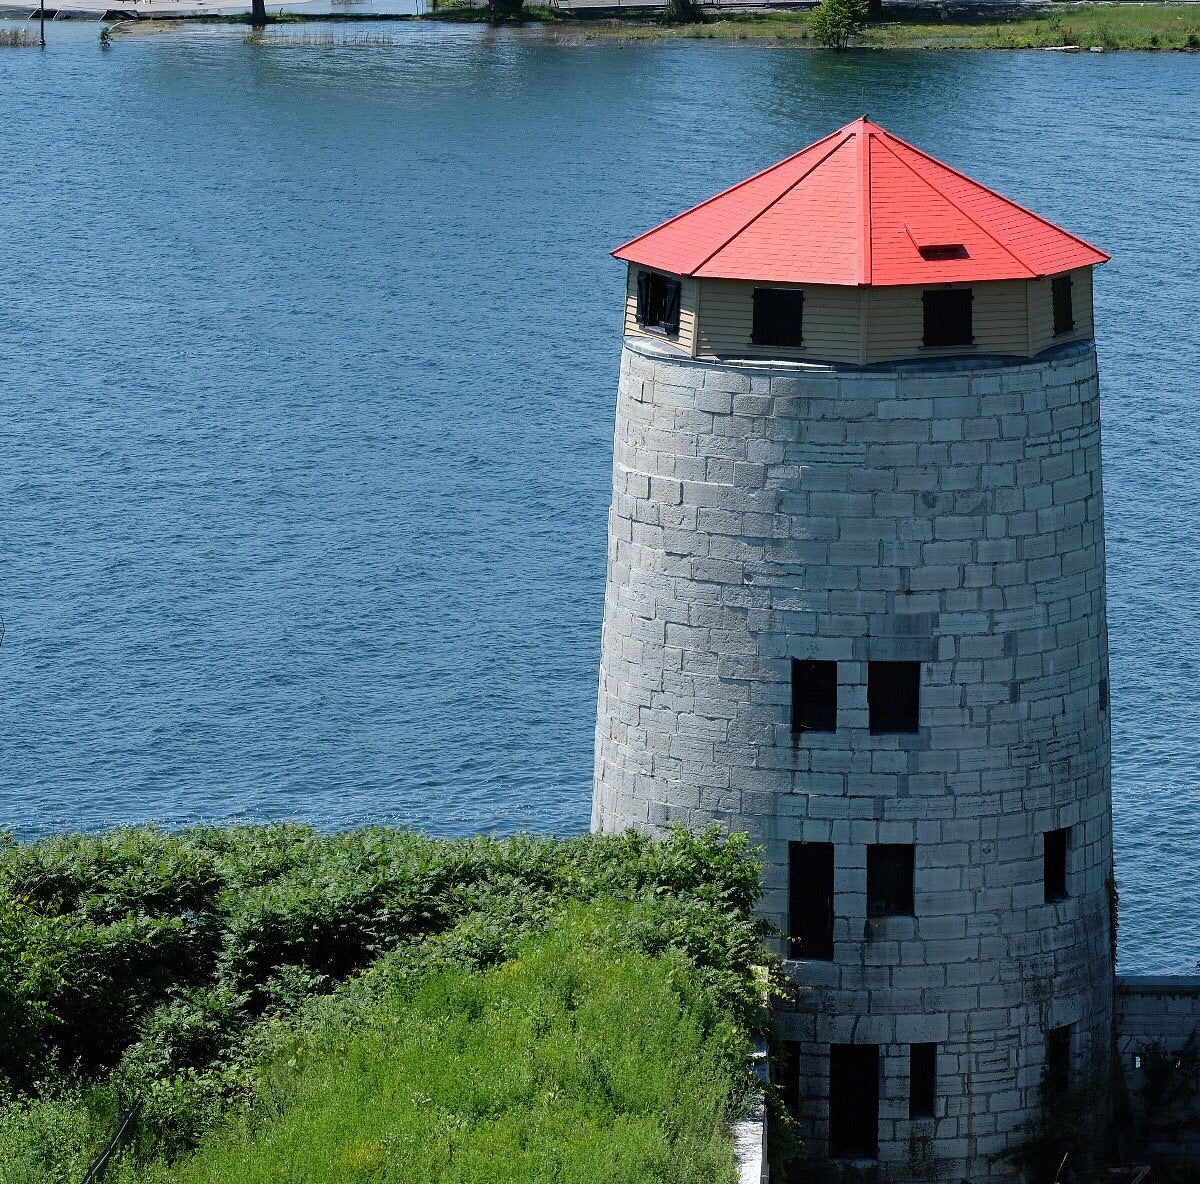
834	22
170	967
1066	1142
53	1139
1170	1091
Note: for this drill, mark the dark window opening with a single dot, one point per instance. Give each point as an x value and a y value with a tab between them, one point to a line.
1064	313
1056	843
814	696
778	317
789	1069
893	696
922	1080
793	1091
1058	1060
853	1101
810	900
890	880
948	317
1104	694
658	301
936	251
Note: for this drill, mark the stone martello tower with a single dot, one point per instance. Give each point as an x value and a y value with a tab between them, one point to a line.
856	607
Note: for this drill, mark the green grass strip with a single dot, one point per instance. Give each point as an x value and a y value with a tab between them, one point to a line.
577	1062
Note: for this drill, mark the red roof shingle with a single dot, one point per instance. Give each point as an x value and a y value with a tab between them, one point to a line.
855	209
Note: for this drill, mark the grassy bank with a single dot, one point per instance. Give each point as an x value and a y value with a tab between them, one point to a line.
274	988
577	1060
1108	26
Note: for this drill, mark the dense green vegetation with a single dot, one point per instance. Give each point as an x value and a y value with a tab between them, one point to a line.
1106	26
270	987
578	1060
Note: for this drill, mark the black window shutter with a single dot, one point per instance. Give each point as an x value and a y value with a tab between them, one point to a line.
948	317
962	328
778	317
670	320
643	295
1064	313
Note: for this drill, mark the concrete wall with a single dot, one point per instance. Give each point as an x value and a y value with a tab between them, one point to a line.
948	513
1162	1011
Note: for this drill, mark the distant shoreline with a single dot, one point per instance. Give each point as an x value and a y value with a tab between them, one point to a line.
1068	28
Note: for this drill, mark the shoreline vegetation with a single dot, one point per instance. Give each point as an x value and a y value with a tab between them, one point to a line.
1080	28
1115	26
377	1005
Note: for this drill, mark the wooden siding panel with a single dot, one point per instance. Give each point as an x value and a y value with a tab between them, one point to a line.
686	340
831	323
1011	317
1041	311
1000	320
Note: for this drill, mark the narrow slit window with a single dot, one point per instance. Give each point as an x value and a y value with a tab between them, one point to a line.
1064	312
658	298
948	317
1058	1060
810	900
890	880
778	317
1104	694
814	696
922	1080
790	1071
853	1101
893	696
1056	844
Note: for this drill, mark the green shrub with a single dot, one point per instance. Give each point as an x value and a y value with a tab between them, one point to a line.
834	22
171	967
53	1139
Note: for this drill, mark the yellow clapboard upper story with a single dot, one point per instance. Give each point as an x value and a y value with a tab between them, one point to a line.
858	326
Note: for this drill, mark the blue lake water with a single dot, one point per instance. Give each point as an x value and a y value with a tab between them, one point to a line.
307	370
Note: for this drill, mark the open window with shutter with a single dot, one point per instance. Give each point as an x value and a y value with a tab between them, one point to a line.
658	299
1064	312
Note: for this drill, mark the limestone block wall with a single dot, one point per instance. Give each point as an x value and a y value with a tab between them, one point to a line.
942	512
1162	1011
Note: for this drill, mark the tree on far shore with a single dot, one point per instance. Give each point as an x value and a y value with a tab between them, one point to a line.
258	13
834	22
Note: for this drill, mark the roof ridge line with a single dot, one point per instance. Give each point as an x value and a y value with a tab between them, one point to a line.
724	192
1016	205
974	222
864	162
774	201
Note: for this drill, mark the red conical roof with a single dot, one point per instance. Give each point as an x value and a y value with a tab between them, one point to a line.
860	207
